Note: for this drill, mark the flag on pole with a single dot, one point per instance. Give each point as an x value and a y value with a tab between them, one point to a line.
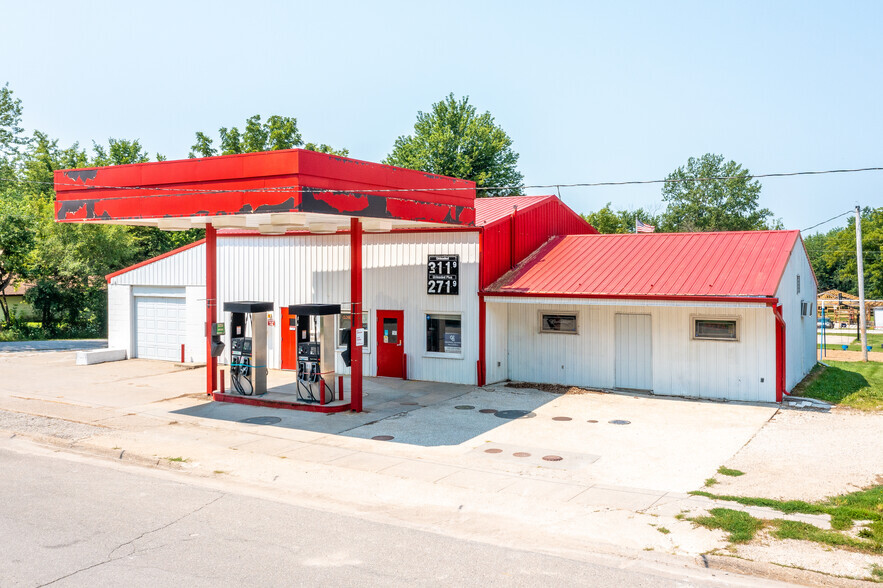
643	228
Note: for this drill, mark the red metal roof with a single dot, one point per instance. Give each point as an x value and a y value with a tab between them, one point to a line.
489	210
749	263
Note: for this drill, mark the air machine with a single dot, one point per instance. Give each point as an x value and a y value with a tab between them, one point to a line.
316	346
248	346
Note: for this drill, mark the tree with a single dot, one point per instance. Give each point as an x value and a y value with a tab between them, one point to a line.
727	204
607	220
18	234
454	140
833	260
11	132
279	132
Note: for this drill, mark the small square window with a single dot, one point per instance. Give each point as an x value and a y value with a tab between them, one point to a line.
716	329
443	334
558	323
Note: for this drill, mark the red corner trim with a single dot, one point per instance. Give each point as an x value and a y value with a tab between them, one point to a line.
109	277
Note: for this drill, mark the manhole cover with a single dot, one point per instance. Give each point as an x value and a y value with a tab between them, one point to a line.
262	420
488	411
383	437
464	407
562	419
521	454
552	458
592	421
514	414
619	422
493	450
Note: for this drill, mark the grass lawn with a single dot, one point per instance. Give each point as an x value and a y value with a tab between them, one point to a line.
875	340
854	384
864	505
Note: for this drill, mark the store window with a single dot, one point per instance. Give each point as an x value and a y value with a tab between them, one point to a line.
344	322
443	334
716	329
558	323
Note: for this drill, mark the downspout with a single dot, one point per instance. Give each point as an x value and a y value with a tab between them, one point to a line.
481	377
780	351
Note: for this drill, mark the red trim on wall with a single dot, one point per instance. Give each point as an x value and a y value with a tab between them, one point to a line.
781	382
481	378
108	277
257	401
760	300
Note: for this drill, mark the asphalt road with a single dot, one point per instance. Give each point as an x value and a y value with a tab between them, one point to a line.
80	522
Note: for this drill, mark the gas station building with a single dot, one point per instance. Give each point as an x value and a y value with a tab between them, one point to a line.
438	285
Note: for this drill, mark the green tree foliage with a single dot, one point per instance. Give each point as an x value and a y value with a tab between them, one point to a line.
833	256
609	221
454	140
279	132
12	137
18	236
696	203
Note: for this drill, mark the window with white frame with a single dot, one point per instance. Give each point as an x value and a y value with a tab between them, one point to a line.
559	322
716	329
443	334
344	323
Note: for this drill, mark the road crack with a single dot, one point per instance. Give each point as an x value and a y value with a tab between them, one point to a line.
110	557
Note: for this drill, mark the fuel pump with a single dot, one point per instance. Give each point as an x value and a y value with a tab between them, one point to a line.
316	346
248	346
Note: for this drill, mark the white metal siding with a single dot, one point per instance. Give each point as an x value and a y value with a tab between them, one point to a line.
634	351
194	343
496	341
800	331
119	318
186	268
302	269
681	366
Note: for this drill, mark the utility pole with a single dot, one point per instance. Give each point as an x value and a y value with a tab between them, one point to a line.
861	282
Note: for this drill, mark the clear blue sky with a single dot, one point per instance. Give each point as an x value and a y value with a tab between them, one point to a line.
587	91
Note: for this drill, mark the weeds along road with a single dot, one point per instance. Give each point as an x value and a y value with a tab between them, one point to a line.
69	520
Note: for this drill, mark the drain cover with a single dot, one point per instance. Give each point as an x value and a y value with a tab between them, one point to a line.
493	450
562	419
521	454
262	420
619	422
592	421
552	458
383	437
464	407
488	411
514	414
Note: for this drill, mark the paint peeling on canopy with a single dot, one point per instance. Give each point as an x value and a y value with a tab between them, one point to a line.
292	181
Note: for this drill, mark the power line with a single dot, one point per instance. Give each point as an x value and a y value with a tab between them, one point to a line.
297	189
827	221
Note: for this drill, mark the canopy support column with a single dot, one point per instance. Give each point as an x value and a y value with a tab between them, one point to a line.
211	304
356	302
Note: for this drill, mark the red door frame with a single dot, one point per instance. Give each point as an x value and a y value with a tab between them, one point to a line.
390	356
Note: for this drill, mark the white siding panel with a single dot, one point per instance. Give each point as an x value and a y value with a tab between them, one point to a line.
800	331
302	269
119	318
186	268
634	351
194	343
496	341
681	366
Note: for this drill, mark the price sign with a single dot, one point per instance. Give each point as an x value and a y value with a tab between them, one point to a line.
443	274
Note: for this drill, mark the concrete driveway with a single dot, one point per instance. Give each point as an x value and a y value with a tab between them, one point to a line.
632	441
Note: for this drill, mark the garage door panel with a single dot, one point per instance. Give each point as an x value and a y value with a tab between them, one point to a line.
160	327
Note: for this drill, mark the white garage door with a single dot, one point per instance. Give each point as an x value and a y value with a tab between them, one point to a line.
160	327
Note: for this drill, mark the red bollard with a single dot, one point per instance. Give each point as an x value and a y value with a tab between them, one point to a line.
404	366
321	391
182	353
340	387
222	381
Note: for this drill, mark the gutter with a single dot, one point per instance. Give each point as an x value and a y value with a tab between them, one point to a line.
768	300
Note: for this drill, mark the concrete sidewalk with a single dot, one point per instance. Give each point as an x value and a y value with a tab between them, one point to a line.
565	465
